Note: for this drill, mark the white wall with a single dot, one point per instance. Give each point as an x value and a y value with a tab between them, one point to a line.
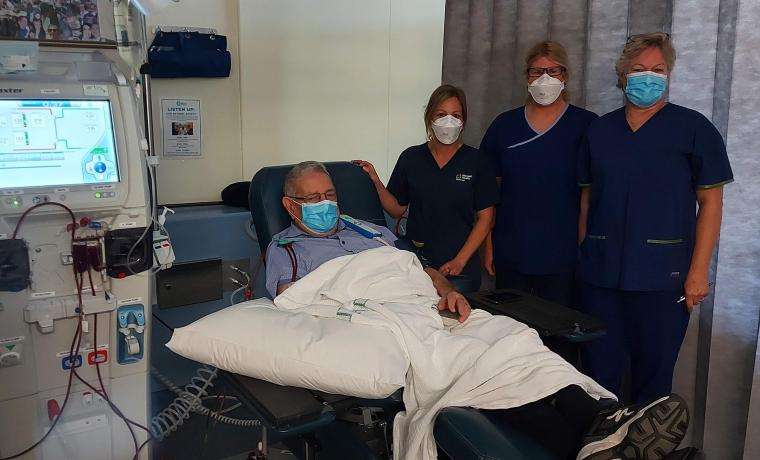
327	80
202	179
336	79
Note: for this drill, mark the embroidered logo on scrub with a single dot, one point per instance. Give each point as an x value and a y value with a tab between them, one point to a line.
463	177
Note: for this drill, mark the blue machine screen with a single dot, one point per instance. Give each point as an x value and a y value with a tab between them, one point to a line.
56	142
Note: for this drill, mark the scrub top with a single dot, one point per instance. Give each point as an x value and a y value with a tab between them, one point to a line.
642	215
443	202
536	231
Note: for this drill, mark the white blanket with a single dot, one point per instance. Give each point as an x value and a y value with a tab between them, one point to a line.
489	362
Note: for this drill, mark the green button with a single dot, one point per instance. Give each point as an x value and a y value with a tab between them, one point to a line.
98	195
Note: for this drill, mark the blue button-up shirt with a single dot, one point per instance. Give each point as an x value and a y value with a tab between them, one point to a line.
313	251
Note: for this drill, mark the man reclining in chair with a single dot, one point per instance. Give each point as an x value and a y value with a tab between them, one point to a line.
577	420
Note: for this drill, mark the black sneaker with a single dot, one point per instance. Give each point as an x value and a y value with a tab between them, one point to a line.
649	432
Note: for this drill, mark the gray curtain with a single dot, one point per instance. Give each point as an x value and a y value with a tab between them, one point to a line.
717	43
485	42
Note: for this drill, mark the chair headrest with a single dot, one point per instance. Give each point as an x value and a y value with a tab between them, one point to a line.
357	197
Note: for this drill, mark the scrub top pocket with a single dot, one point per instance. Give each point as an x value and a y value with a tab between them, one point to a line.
670	259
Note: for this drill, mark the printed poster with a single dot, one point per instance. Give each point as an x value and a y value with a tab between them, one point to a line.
181	122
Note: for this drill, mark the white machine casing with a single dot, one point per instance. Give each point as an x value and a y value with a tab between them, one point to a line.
37	324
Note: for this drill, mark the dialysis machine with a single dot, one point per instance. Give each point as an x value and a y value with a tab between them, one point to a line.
75	260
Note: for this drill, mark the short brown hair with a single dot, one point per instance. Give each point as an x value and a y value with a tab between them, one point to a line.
637	45
554	51
439	95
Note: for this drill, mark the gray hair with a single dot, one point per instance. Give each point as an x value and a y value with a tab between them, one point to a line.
298	171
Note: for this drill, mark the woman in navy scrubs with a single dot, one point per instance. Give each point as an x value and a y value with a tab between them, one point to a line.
535	152
449	189
645	168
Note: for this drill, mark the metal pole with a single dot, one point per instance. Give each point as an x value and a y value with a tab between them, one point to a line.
148	112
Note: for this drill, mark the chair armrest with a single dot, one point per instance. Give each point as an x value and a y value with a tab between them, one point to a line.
549	319
287	411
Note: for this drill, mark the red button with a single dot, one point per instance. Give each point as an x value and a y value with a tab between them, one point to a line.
97	357
53	409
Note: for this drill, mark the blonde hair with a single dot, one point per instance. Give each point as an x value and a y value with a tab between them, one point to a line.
636	45
554	51
439	95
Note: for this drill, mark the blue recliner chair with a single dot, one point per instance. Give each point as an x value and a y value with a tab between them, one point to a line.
307	416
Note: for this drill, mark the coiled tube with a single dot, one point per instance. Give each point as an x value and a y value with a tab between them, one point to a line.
190	399
171	418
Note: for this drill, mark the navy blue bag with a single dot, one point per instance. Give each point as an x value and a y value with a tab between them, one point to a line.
188	55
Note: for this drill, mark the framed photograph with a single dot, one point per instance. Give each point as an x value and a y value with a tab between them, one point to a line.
57	20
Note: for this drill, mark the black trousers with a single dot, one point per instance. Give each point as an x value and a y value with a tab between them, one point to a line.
559	288
558	422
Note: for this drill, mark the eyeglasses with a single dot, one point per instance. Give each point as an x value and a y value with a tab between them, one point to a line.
660	35
555	71
330	195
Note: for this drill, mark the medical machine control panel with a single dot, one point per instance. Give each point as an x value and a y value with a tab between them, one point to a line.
62	150
19	200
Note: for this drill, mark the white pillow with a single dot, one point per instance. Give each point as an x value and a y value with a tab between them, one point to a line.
259	340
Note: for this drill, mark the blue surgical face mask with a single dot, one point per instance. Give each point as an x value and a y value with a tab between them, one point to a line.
644	89
320	217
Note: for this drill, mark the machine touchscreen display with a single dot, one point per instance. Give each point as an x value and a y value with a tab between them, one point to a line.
56	143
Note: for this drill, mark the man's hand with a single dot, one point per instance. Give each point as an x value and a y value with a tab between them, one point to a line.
452	267
455	303
695	288
451	300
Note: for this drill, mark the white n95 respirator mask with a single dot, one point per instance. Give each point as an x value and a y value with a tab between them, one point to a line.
447	129
546	89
